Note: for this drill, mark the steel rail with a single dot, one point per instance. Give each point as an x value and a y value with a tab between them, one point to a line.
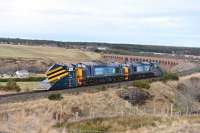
34	95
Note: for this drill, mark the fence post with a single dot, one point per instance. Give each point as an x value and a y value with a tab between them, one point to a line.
171	110
167	110
136	110
61	113
76	115
154	107
187	110
144	111
122	114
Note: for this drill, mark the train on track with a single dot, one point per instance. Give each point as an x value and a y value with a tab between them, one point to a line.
61	76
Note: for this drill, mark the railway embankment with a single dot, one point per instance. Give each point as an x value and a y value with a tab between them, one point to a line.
104	105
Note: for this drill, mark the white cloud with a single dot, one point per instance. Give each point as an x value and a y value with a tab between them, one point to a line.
125	20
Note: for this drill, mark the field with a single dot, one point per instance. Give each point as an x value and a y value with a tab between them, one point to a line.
37	59
54	53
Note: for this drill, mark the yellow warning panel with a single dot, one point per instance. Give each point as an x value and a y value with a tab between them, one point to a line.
58	77
54	70
79	75
126	72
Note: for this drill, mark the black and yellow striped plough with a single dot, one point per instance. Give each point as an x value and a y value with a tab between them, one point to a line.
56	73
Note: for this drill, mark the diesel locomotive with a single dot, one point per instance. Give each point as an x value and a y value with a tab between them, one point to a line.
61	76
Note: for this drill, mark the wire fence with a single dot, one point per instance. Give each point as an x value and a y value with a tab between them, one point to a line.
135	111
167	111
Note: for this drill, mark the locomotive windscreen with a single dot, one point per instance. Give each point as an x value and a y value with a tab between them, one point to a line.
104	71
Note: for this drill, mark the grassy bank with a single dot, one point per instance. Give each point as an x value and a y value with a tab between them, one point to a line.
116	124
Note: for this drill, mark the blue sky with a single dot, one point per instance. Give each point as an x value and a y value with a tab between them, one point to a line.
159	22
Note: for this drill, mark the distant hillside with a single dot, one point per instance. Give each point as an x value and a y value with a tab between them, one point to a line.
45	52
38	58
111	48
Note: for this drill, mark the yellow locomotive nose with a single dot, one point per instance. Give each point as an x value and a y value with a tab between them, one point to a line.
79	75
126	72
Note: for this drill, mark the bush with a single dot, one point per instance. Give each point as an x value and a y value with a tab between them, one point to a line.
75	110
11	86
142	84
135	96
101	88
57	97
170	76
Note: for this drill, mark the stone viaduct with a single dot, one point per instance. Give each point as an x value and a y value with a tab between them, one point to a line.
165	63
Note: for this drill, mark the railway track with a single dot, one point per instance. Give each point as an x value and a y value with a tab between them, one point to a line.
34	95
27	96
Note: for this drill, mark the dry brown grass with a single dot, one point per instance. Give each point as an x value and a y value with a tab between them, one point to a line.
165	94
142	124
179	125
184	67
38	115
189	76
118	124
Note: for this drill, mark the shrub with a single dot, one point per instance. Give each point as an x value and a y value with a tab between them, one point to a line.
75	110
57	97
142	84
101	88
11	86
135	96
125	87
170	76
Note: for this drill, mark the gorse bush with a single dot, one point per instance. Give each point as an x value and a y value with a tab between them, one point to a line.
56	97
142	84
101	88
169	76
11	86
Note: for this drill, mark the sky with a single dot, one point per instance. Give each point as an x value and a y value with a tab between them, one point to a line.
155	22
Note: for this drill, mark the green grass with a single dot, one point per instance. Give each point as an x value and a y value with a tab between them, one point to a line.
55	53
25	86
11	85
55	97
29	79
169	76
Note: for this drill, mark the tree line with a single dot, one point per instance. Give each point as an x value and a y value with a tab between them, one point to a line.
112	48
